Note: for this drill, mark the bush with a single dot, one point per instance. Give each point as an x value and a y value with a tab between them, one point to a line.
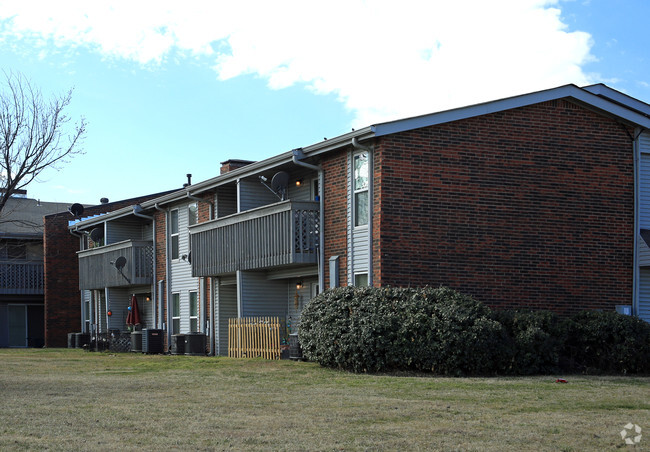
607	342
537	340
377	329
443	331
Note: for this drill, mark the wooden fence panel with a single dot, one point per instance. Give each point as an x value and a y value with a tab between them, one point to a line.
254	337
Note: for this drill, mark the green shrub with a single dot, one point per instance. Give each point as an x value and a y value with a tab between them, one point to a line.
607	342
377	329
537	340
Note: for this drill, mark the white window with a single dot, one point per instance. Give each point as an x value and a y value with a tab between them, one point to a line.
361	279
360	188
174	234
176	313
86	310
194	312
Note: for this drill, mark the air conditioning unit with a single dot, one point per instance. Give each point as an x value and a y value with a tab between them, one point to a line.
178	344
195	344
152	341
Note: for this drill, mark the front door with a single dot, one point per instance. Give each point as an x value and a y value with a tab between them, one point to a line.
17	325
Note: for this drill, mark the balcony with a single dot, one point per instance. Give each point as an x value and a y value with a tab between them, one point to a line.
97	265
21	278
279	234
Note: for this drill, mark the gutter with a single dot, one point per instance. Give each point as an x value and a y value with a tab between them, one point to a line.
297	157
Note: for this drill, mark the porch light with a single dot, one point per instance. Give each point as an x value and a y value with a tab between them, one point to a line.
299	285
298	182
147	298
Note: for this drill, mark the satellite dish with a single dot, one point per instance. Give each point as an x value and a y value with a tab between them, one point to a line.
120	262
97	234
279	183
76	209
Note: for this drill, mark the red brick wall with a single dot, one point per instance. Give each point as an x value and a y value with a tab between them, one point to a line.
531	207
62	295
335	216
160	219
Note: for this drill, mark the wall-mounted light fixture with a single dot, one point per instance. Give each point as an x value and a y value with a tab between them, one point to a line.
298	182
299	285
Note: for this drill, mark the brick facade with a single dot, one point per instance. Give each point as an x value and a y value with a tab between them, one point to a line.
62	295
335	174
531	207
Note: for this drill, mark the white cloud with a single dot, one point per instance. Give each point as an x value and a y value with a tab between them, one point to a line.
383	59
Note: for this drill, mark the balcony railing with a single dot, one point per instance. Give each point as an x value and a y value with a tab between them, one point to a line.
98	269
280	234
21	278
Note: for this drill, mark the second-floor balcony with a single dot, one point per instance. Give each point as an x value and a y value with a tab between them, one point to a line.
279	234
21	278
126	263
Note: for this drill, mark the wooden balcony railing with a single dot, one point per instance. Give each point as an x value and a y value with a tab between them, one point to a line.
280	234
21	278
97	267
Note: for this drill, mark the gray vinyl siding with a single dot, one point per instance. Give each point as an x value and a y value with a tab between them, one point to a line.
303	192
226	308
360	252
644	253
182	281
304	296
226	201
253	194
644	187
262	297
644	294
127	229
119	299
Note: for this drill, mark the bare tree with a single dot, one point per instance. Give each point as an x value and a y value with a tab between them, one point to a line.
34	134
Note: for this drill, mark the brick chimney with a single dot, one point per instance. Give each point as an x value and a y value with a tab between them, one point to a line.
233	164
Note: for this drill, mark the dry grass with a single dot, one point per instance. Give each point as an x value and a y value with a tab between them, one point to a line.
74	400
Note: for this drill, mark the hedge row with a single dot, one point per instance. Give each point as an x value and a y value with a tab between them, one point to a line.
448	333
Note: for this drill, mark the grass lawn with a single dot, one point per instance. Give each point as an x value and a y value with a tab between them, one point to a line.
59	399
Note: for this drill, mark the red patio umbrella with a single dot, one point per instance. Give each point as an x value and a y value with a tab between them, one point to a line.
133	317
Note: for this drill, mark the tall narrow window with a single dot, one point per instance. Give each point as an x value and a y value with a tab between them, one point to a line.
86	314
174	234
360	187
176	313
194	312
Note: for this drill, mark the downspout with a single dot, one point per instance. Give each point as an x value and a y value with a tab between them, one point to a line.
168	273
637	222
137	211
357	145
297	155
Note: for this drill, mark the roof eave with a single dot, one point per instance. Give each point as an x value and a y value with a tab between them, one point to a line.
566	91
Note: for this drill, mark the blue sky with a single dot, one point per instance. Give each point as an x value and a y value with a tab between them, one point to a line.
170	88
